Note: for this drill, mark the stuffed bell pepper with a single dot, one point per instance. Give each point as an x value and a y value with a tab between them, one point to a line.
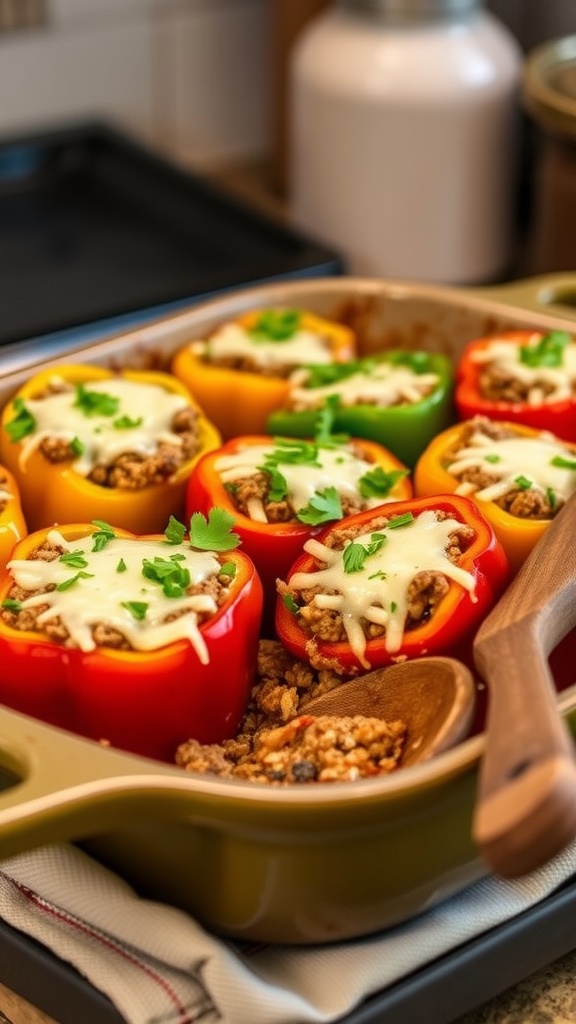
386	585
85	443
399	399
519	477
240	373
141	642
523	377
13	526
280	491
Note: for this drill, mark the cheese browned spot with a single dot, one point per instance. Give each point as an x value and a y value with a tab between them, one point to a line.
83	588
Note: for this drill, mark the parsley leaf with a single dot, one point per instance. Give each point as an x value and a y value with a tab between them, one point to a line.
404	520
126	423
95	403
228	569
23	422
136	608
173	578
214	533
76	446
121	567
102	536
377	482
562	462
289	603
276	325
523	482
74	559
323	506
175	531
549	351
354	554
11	605
66	584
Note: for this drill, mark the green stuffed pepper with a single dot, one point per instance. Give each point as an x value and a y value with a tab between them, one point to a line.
400	399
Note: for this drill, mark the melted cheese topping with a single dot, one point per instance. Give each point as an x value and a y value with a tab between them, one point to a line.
5	495
100	596
336	467
232	341
387	384
379	591
504	356
149	407
509	458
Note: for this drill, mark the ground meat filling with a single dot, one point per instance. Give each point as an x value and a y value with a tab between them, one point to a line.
269	748
246	491
104	635
497	383
133	471
425	591
522	502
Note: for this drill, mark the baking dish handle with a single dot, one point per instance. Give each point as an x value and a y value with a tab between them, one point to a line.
56	786
547	293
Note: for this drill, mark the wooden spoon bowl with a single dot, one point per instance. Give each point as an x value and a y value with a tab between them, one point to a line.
434	697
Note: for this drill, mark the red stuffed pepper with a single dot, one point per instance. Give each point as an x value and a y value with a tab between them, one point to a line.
523	377
412	579
139	642
281	491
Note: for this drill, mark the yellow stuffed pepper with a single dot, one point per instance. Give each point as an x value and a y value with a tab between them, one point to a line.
85	443
13	526
240	373
518	476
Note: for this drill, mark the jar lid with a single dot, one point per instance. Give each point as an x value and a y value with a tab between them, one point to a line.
549	85
411	9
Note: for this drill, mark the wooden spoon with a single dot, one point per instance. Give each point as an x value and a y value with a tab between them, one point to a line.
526	805
434	697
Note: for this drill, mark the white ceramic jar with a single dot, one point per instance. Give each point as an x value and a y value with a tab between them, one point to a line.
404	131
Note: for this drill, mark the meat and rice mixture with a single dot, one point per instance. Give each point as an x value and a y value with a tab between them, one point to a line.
367	381
278	743
381	582
115	432
530	477
541	371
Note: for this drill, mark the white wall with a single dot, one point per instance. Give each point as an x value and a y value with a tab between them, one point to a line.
190	75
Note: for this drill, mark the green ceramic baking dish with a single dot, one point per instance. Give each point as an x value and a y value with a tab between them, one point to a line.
299	864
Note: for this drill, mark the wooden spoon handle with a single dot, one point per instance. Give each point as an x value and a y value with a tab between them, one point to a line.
526	806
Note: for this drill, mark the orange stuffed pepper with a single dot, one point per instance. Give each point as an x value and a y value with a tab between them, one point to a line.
85	443
13	526
519	477
240	373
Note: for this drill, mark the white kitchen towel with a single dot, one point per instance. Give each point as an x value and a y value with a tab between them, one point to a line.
157	964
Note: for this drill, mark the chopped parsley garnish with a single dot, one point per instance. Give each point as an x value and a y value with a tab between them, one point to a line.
228	569
95	403
66	584
354	555
562	462
76	446
289	603
121	567
523	482
136	608
102	535
277	487
552	499
215	532
323	374
324	423
322	508
11	605
276	325
404	520
23	422
378	482
172	577
418	362
549	351
74	559
175	531
380	575
492	458
393	606
126	423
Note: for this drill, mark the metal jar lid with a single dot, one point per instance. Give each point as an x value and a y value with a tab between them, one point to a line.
549	86
411	10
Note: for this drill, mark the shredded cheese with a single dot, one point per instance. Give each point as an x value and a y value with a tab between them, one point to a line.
511	458
386	385
103	438
504	356
110	584
378	592
232	341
